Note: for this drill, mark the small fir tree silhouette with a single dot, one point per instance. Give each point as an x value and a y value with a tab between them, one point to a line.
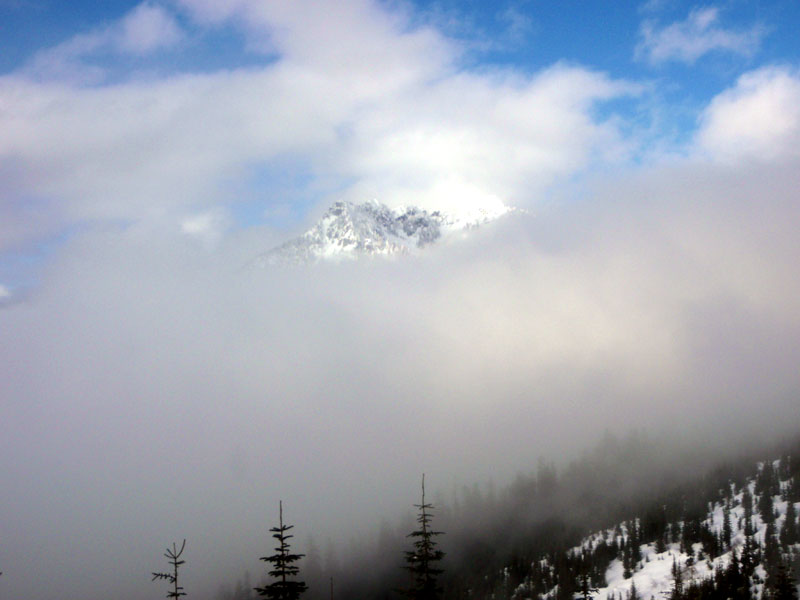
283	588
423	558
173	556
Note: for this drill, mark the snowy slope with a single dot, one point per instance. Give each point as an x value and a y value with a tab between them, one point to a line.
654	576
349	230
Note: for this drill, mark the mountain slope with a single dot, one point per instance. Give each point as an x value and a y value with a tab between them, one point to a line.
743	543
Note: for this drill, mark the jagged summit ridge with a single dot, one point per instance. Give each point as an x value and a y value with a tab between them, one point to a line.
349	230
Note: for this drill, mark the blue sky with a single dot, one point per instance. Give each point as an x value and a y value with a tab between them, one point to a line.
528	35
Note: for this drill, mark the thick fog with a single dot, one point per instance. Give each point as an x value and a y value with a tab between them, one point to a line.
156	390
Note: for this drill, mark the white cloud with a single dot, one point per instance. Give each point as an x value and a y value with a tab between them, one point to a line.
208	226
214	12
652	6
666	300
519	25
699	34
4	293
358	42
355	95
65	61
500	136
759	118
145	29
138	150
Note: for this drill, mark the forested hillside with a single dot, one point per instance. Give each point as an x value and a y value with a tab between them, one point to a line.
738	540
631	516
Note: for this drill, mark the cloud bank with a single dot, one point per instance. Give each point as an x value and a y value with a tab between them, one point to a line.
155	391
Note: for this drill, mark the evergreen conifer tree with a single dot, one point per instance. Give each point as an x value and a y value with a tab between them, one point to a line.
421	561
766	507
661	545
731	581
283	568
173	556
764	478
784	468
627	569
772	552
785	587
747	504
789	529
788	491
677	580
635	541
634	594
586	590
726	525
748	556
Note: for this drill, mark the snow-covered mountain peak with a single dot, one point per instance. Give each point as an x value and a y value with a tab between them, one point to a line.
349	230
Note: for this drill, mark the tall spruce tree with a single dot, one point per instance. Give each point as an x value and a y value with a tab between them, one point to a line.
789	530
766	507
283	568
747	504
421	561
772	552
726	525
